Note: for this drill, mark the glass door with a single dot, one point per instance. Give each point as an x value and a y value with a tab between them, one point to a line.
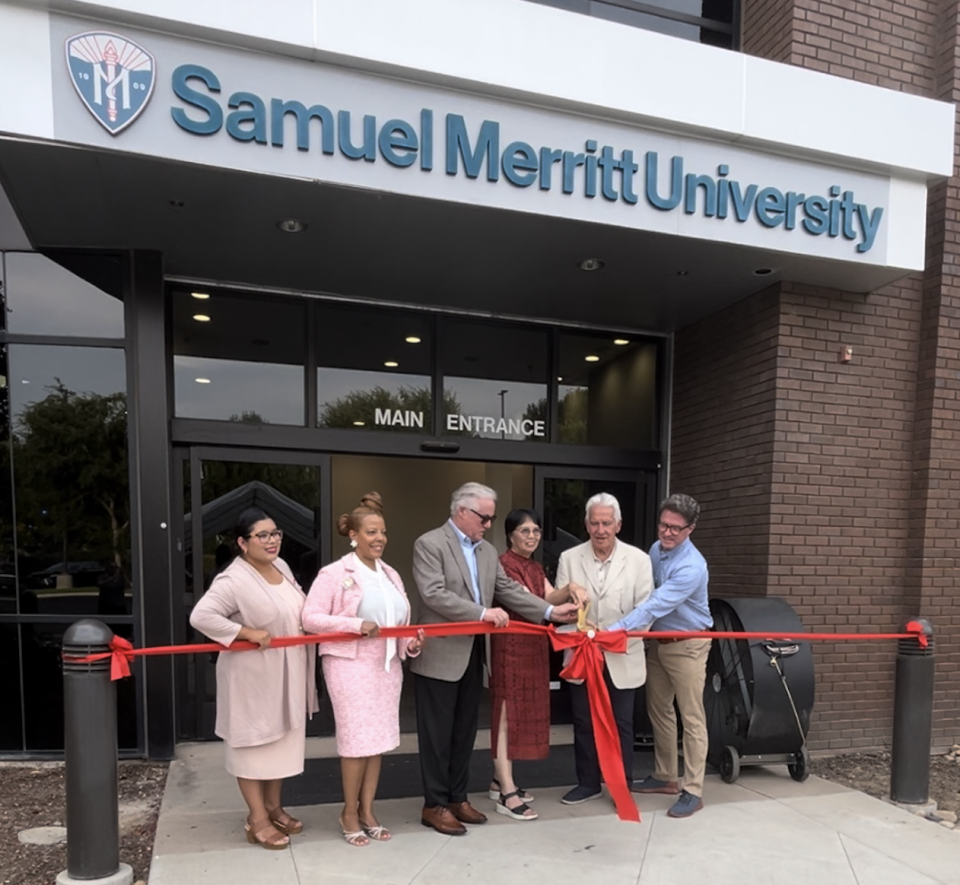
219	484
562	492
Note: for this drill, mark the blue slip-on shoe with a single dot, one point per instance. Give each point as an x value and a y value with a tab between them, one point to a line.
686	805
579	795
655	785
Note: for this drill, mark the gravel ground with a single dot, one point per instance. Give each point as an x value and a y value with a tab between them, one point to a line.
870	773
32	795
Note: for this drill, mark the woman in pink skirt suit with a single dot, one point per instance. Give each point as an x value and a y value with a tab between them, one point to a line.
263	697
359	593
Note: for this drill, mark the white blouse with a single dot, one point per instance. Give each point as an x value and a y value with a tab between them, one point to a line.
381	602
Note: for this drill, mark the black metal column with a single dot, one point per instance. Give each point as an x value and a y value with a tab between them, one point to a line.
149	384
90	748
912	719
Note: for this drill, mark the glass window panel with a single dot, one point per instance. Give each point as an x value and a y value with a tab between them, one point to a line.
43	689
494	383
607	391
69	451
8	567
374	370
11	722
43	298
238	358
720	11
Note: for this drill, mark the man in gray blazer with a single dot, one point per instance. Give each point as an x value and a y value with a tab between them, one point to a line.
459	577
618	577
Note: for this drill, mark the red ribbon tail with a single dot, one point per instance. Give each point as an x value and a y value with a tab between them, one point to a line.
120	657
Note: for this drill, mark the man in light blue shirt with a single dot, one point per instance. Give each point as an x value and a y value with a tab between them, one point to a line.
676	668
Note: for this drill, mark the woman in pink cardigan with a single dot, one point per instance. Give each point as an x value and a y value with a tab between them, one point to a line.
359	593
263	697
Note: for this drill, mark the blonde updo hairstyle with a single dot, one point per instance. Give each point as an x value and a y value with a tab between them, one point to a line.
371	504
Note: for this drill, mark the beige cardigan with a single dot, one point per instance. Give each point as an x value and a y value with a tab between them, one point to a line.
261	695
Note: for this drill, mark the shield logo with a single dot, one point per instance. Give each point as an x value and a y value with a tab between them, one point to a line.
113	75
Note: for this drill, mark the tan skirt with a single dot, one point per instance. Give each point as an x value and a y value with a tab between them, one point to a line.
279	759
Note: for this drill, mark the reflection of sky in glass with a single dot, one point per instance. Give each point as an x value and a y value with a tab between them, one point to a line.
334	384
35	368
274	392
478	396
45	299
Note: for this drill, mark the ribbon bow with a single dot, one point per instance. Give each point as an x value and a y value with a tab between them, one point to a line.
121	653
587	664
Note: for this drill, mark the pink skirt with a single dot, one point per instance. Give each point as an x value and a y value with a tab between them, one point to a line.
365	699
268	762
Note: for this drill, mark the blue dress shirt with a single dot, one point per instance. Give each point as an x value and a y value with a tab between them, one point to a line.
679	600
469	549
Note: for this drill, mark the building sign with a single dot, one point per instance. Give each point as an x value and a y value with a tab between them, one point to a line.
464	423
219	106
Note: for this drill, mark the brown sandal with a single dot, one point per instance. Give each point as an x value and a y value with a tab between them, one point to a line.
255	836
285	823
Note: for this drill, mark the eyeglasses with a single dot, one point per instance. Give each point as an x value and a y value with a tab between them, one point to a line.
483	517
263	537
529	533
668	529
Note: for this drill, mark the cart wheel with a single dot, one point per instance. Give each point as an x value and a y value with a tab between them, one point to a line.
800	768
729	764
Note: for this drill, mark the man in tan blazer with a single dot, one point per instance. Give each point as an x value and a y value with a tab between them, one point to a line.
618	577
459	577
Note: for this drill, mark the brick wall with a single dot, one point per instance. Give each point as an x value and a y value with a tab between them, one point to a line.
724	409
835	486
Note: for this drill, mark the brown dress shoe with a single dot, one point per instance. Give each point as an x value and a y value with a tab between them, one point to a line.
440	818
466	813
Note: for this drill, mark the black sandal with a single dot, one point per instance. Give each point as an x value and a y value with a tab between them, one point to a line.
518	813
495	792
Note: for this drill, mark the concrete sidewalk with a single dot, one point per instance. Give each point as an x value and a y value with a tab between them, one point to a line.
763	828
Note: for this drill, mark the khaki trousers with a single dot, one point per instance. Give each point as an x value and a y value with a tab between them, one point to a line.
677	670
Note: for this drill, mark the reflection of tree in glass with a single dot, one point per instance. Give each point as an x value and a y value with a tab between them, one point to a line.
70	465
249	418
363	406
572	425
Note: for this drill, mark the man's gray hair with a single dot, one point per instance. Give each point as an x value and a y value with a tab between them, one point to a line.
468	494
686	506
604	499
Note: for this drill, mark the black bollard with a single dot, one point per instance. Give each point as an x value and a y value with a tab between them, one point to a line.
912	719
90	748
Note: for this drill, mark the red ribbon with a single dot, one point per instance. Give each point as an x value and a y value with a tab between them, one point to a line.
587	664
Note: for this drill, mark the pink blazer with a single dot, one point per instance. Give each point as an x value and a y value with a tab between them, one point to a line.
332	603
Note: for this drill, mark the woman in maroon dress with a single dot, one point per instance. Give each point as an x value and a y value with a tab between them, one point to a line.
520	672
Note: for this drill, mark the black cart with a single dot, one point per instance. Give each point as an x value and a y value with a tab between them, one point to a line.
759	692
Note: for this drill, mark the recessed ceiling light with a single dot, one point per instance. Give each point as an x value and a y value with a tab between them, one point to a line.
359	423
589	264
202	296
592	358
763	271
201	318
202	380
559	377
620	341
412	339
391	364
291	225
